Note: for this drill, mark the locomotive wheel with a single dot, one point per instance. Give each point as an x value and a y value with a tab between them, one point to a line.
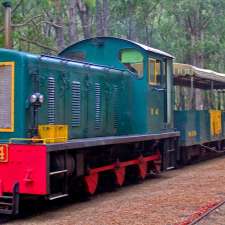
120	175
91	182
143	166
157	166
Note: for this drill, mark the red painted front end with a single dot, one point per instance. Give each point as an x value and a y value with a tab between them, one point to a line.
25	164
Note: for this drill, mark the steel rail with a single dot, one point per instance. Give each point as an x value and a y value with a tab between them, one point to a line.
204	215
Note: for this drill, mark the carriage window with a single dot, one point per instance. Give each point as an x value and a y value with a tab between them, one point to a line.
132	61
154	74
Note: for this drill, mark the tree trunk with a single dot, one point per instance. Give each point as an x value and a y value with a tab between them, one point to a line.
105	16
85	18
59	29
99	18
196	34
72	27
197	56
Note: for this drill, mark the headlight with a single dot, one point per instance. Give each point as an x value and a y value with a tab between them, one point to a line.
33	98
36	98
41	98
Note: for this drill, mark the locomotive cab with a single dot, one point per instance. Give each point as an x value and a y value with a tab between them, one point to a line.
149	74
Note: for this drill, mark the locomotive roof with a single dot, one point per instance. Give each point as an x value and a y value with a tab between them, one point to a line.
142	46
184	72
150	49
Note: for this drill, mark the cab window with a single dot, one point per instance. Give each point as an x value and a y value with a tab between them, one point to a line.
154	72
132	61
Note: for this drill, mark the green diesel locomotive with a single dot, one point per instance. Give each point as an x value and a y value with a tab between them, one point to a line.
103	106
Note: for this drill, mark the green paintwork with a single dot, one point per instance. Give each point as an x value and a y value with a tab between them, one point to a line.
21	88
124	97
203	126
193	120
106	51
185	122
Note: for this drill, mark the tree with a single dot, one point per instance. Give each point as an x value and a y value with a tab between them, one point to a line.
59	26
84	9
105	17
193	31
72	23
195	17
102	17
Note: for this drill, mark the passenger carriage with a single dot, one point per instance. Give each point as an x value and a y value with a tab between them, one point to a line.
199	110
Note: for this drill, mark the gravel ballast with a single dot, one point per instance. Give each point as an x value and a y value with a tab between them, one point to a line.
166	200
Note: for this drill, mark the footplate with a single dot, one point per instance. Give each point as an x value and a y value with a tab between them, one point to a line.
9	204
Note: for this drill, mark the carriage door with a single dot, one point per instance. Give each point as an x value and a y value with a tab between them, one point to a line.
156	95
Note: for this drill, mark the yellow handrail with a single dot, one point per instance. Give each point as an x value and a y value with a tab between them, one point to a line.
43	140
11	140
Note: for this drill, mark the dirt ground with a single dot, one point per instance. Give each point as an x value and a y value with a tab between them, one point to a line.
166	200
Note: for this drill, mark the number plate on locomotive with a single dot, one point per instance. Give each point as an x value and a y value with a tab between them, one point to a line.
4	154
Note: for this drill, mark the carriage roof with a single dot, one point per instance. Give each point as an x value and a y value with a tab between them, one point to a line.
202	78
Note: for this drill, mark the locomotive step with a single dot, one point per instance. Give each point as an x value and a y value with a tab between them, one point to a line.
171	150
5	203
6	211
170	168
6	197
58	172
9	204
57	196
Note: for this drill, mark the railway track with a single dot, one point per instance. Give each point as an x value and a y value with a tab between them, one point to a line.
202	213
169	199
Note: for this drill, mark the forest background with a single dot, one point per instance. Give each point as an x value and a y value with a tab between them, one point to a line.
191	30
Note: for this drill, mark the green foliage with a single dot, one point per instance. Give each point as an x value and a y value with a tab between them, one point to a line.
193	31
90	3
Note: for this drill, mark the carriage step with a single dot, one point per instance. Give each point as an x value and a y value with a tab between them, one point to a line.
57	196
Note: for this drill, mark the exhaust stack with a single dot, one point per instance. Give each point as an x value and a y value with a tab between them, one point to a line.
7	24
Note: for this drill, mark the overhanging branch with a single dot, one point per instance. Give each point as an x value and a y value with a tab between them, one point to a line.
52	24
26	22
30	20
38	44
17	6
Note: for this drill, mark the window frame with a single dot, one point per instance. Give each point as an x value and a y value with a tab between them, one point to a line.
161	74
136	75
12	106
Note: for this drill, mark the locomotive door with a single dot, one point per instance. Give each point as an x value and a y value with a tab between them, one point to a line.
156	94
